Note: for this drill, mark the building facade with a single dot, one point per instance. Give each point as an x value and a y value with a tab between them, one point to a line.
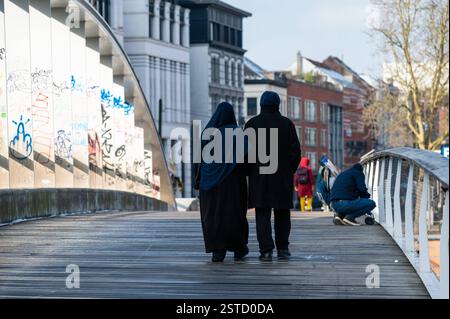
217	57
356	95
155	35
317	115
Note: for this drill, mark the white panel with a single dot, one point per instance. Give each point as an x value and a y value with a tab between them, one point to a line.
129	136
4	172
148	173
94	113
79	107
20	128
107	129
139	170
120	148
62	106
42	95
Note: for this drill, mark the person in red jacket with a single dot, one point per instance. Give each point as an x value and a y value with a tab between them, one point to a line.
304	181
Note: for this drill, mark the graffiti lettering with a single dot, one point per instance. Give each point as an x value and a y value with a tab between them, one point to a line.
19	81
22	143
41	121
2	53
63	145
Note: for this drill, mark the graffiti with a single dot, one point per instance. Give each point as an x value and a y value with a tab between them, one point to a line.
121	152
79	133
122	105
115	102
92	90
94	148
19	81
41	80
22	143
75	85
107	145
106	97
63	145
148	169
41	128
2	53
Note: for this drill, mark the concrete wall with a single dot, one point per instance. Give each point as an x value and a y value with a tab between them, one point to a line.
35	203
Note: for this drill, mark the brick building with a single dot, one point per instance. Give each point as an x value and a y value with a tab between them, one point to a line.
317	114
358	140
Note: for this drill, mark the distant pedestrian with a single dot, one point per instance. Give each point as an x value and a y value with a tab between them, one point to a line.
349	196
273	191
304	181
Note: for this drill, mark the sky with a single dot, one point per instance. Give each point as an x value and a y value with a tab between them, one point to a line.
318	28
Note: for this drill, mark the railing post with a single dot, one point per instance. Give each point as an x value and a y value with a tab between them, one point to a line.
444	251
375	189
424	254
370	182
409	227
388	196
398	231
381	181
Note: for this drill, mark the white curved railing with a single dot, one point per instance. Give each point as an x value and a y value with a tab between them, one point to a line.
410	187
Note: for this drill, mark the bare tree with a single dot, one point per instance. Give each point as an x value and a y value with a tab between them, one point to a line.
415	39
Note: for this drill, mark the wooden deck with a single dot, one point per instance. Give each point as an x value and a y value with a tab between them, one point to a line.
160	255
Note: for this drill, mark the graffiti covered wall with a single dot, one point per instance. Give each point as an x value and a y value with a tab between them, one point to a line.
65	120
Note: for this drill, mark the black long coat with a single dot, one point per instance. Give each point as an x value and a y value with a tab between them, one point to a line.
276	190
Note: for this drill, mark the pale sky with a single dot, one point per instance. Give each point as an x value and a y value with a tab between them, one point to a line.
318	28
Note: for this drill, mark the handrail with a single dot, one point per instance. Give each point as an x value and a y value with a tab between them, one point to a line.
385	179
434	163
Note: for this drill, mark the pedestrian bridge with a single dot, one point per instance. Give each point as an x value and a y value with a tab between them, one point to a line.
153	254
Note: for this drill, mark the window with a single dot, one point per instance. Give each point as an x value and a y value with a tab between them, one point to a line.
293	109
233	74
299	133
323	138
227	72
313	159
215	70
310	136
239	75
296	110
252	106
310	111
324	112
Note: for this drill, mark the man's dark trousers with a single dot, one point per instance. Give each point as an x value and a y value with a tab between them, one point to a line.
264	228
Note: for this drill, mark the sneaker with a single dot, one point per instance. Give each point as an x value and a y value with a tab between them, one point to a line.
351	222
338	220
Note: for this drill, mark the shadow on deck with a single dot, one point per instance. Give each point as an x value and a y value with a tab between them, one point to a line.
160	255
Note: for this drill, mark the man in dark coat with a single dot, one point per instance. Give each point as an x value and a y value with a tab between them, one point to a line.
349	196
274	190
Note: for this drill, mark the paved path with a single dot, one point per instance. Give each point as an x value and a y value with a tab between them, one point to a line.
160	255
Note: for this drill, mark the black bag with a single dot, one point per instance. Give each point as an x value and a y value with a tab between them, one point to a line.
303	176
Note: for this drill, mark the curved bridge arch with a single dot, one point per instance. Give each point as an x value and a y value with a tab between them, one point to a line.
72	112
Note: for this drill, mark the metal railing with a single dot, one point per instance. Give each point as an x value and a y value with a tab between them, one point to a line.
410	187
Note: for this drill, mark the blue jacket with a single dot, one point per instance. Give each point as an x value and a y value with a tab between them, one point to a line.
350	185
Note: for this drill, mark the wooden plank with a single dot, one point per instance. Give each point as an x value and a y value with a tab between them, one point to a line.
160	255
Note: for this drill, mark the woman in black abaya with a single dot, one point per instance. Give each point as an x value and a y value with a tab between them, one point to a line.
223	194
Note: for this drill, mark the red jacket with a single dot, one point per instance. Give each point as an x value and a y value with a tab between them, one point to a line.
305	189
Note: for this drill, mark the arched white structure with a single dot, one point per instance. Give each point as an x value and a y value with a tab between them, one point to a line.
72	112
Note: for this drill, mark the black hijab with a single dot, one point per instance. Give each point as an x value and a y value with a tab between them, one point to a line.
213	174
